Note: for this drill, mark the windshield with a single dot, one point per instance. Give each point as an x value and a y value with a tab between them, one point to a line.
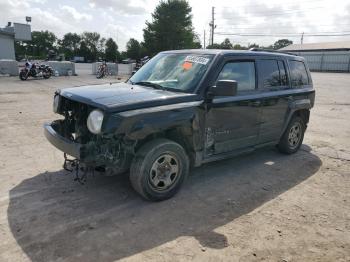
177	72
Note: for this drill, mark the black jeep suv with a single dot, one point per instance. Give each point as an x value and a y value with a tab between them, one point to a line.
185	108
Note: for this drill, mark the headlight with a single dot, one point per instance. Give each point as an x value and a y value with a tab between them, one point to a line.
94	121
56	103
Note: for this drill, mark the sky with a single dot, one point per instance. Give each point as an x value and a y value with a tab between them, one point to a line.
261	22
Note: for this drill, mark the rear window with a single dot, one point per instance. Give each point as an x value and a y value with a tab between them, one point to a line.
272	74
298	73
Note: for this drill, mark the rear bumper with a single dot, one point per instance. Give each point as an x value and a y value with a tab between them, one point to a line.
65	145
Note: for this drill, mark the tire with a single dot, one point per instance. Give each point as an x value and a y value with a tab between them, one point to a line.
158	169
293	137
23	75
47	74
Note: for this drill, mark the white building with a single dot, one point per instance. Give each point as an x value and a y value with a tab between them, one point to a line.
330	56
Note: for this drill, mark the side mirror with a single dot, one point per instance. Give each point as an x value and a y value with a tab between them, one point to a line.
224	88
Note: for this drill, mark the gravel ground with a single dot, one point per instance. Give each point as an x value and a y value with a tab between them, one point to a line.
262	206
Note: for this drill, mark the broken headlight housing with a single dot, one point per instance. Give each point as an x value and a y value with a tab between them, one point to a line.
94	121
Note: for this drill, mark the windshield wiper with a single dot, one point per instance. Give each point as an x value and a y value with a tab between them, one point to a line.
146	83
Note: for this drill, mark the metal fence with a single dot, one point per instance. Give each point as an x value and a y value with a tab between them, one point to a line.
337	61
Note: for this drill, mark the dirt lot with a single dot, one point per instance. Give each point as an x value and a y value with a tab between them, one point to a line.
263	206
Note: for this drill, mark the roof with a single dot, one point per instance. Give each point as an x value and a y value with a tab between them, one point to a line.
6	32
230	52
327	46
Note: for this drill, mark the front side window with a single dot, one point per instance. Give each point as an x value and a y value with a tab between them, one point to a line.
298	74
241	71
176	72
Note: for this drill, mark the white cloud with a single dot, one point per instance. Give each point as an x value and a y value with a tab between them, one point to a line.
123	19
73	13
121	6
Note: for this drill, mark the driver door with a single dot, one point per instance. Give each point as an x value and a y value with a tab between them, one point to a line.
232	122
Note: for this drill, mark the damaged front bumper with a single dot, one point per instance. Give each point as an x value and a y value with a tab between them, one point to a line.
60	142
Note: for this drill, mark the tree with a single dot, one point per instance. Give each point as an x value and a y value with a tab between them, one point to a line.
239	47
101	48
133	49
111	52
253	46
226	44
214	46
84	51
42	42
91	40
171	27
282	43
70	44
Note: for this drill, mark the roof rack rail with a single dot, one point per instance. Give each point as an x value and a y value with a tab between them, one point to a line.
271	51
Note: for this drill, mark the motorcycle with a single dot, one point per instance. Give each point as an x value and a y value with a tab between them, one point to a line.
35	70
140	63
102	70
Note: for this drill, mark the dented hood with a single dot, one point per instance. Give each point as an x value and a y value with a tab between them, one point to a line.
122	96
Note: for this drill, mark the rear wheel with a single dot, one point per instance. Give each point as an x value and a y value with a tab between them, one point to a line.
100	72
47	74
23	75
293	136
159	169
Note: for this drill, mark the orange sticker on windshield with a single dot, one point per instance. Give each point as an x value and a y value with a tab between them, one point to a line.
187	65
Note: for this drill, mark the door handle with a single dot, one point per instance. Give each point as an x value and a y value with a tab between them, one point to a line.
256	103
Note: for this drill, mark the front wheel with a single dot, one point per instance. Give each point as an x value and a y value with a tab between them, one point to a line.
158	169
293	136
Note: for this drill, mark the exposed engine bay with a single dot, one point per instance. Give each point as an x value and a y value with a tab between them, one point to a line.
110	153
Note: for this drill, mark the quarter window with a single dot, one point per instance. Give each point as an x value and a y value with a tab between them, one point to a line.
241	71
298	73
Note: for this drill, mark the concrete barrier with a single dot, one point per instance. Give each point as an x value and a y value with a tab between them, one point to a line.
63	68
9	67
112	68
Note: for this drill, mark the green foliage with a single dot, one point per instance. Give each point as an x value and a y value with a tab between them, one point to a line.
42	42
214	46
91	40
282	43
111	52
133	49
69	45
226	44
171	27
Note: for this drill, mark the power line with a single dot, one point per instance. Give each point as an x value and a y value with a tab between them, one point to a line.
286	34
285	4
289	26
268	14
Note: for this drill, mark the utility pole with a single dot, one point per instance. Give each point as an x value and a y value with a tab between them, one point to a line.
212	24
302	38
204	40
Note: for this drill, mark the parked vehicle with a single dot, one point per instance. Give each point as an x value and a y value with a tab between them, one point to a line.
128	61
102	70
140	63
182	109
35	70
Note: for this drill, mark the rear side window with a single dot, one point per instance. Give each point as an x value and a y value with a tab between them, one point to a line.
298	73
241	71
272	74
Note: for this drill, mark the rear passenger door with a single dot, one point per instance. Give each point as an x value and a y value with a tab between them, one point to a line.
273	87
